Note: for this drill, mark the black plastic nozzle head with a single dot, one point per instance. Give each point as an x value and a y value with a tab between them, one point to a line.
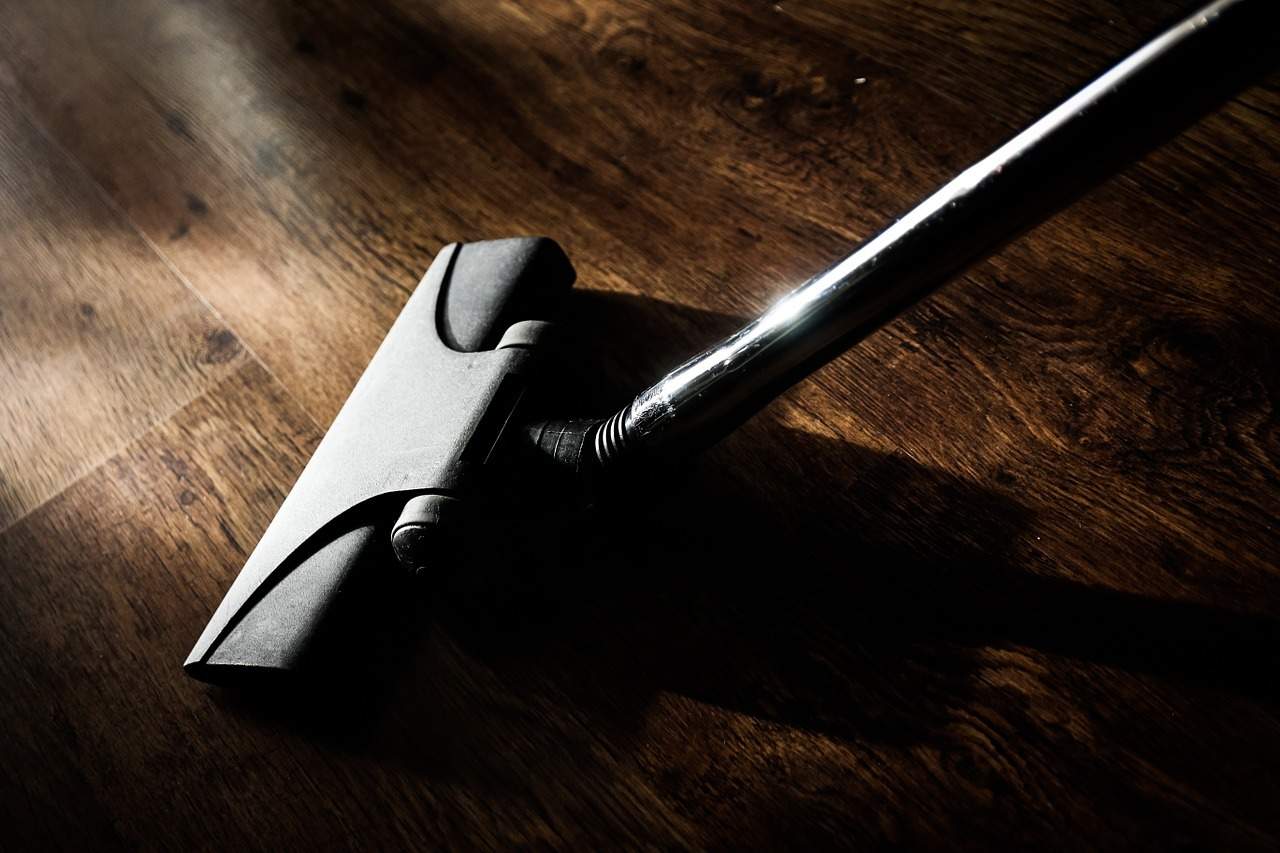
413	439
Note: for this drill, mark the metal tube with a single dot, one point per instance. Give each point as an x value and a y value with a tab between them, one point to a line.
711	393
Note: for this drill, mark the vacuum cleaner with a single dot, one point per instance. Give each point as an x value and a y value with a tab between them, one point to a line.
446	423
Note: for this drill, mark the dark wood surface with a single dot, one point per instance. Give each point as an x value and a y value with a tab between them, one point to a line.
1007	574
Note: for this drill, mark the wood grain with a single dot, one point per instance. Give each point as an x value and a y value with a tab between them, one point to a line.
1008	574
100	339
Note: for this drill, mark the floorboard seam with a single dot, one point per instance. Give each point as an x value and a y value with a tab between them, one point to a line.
120	450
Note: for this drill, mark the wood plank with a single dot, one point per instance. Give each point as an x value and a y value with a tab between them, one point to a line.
1006	574
98	338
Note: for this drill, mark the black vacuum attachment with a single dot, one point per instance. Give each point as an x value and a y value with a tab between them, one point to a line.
403	455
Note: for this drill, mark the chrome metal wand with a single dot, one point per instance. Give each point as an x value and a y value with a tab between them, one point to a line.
710	394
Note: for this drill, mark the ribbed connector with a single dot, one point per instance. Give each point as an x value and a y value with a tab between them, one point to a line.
610	440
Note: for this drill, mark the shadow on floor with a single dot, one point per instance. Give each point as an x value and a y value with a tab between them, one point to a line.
789	576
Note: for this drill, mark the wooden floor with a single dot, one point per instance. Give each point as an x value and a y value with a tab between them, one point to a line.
1006	575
